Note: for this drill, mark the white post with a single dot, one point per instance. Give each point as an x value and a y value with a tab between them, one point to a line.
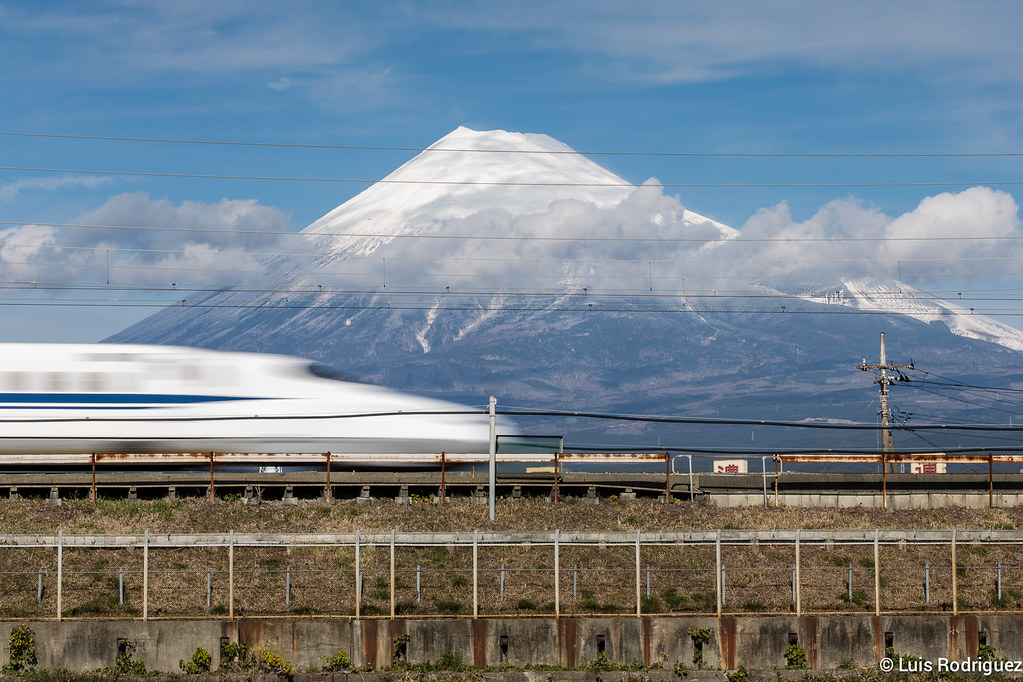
955	582
799	606
60	571
877	574
392	574
639	604
145	578
717	570
230	576
475	573
493	456
557	573
358	577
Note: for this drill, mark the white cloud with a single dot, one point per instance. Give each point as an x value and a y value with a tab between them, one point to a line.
227	244
9	191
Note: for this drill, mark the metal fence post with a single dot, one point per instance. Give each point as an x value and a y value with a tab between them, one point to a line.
209	586
145	578
955	585
877	573
392	575
475	573
358	576
120	585
419	593
692	495
60	572
230	576
557	572
999	580
287	586
799	594
575	581
850	583
39	592
927	582
717	571
724	588
639	600
502	581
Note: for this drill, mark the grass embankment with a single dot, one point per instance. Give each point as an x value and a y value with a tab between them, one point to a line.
321	580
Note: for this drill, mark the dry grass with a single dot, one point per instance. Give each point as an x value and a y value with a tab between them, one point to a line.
322	580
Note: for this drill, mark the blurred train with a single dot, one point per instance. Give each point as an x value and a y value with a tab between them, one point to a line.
106	398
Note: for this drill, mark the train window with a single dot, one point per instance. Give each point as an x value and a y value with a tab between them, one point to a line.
324	371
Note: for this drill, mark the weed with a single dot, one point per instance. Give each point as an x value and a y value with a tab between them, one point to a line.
200	663
448	607
754	605
795	657
23	650
339	662
740	675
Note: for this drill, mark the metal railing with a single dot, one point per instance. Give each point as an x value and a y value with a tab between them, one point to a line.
548	573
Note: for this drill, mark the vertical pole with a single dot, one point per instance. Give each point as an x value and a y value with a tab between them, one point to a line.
392	574
776	477
39	591
145	578
575	581
213	495
60	572
667	478
94	480
493	456
799	594
990	481
955	585
287	586
230	576
999	580
927	582
648	580
877	573
884	481
849	589
724	587
475	573
120	585
419	590
763	469
555	479
358	577
328	478
692	493
717	570
209	586
639	600
443	480
502	582
557	571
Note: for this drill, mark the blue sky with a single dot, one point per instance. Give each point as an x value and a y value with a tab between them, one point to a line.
815	78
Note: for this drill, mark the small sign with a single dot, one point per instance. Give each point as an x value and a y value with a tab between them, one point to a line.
730	466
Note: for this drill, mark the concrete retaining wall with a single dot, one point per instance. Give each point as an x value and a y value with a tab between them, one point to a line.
756	642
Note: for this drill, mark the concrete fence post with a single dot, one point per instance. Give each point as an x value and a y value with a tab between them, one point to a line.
230	576
799	592
60	572
877	573
557	573
475	574
145	577
717	571
639	599
392	574
955	584
358	576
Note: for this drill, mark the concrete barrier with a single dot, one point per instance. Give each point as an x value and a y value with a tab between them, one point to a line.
754	642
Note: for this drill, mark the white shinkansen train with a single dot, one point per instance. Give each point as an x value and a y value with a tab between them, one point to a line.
106	398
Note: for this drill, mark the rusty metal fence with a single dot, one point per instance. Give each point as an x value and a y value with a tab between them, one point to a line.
485	573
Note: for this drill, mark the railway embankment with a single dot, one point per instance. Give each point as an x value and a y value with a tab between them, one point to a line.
765	598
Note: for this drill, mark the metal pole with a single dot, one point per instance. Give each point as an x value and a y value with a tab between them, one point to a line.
502	581
475	571
94	480
667	478
39	592
639	602
763	468
927	583
287	586
955	585
692	494
209	586
328	478
849	592
557	570
392	574
419	592
648	580
213	495
990	481
358	576
230	576
799	595
443	479
493	456
877	573
999	580
717	572
60	572
145	578
575	581
120	585
724	587
555	479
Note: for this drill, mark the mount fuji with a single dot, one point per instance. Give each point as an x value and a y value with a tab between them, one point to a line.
498	263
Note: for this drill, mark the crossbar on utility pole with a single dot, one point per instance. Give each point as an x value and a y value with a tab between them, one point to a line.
884	381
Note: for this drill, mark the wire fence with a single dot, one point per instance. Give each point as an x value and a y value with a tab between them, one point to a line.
397	575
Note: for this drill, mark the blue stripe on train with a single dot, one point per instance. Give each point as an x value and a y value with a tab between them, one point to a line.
107	400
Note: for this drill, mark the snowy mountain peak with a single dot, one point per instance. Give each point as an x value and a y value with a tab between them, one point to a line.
464	173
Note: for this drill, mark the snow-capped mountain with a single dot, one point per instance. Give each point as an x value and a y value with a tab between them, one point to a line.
506	264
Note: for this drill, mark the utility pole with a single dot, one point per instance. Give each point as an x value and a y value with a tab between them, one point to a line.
887	444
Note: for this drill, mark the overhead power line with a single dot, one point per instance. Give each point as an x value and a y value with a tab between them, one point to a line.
391	181
289	145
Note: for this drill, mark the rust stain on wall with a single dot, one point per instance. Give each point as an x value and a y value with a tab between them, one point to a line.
479	643
726	629
369	642
809	627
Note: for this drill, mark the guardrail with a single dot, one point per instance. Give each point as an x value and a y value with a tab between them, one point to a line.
369	574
